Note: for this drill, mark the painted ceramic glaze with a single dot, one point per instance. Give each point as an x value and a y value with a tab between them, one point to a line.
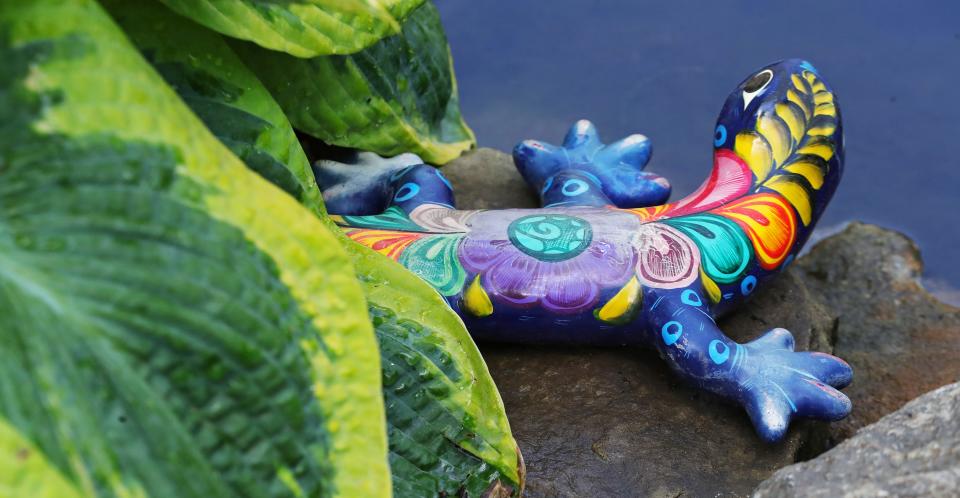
605	261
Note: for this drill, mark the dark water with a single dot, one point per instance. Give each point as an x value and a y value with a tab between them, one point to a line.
528	69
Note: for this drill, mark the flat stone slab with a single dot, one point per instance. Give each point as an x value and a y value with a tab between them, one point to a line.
914	451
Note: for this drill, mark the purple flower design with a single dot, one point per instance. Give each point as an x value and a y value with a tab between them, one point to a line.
512	273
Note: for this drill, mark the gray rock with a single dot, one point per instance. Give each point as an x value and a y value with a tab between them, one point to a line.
914	451
486	179
901	340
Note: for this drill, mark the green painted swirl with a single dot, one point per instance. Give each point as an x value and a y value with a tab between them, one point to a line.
725	249
434	259
550	237
393	218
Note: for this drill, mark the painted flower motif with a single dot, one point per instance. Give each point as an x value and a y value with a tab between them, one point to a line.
555	259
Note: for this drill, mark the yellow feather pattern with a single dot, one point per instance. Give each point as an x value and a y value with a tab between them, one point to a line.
822	149
826	110
780	150
794	97
777	136
822	98
794	119
795	193
812	172
798	83
755	151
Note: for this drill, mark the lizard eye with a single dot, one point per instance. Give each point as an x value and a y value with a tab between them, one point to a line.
755	85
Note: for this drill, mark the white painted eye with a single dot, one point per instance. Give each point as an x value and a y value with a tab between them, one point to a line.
755	85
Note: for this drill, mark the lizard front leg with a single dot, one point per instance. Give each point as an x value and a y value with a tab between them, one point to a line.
767	377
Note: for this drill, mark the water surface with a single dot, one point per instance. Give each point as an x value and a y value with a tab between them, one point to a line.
528	69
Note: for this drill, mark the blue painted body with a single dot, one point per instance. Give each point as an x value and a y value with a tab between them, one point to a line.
604	262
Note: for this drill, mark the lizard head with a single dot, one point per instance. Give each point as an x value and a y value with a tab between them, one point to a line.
783	123
790	91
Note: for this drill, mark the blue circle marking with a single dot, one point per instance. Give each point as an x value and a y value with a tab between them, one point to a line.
690	298
720	136
671	332
748	285
579	187
406	192
719	352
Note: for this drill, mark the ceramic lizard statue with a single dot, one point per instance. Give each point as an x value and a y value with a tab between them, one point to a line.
605	261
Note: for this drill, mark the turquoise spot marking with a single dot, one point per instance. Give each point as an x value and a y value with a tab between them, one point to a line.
748	285
719	352
406	192
690	298
671	332
720	136
579	187
809	67
552	237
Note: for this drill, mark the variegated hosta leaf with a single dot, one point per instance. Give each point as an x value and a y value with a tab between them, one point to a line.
222	92
303	28
447	427
170	323
397	96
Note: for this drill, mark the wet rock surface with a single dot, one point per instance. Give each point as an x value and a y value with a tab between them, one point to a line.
913	452
616	422
901	341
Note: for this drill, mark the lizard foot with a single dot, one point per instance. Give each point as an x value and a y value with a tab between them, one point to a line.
777	383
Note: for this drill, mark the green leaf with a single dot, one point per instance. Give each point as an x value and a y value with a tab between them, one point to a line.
170	323
222	92
26	472
459	438
397	96
303	28
447	426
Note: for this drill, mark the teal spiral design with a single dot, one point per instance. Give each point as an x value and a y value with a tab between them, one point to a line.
551	237
725	250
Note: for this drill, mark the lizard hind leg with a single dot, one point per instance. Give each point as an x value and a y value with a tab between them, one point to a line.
366	183
774	383
596	173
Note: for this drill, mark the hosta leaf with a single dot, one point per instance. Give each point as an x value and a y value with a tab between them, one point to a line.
222	92
304	28
170	323
448	431
28	472
397	96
